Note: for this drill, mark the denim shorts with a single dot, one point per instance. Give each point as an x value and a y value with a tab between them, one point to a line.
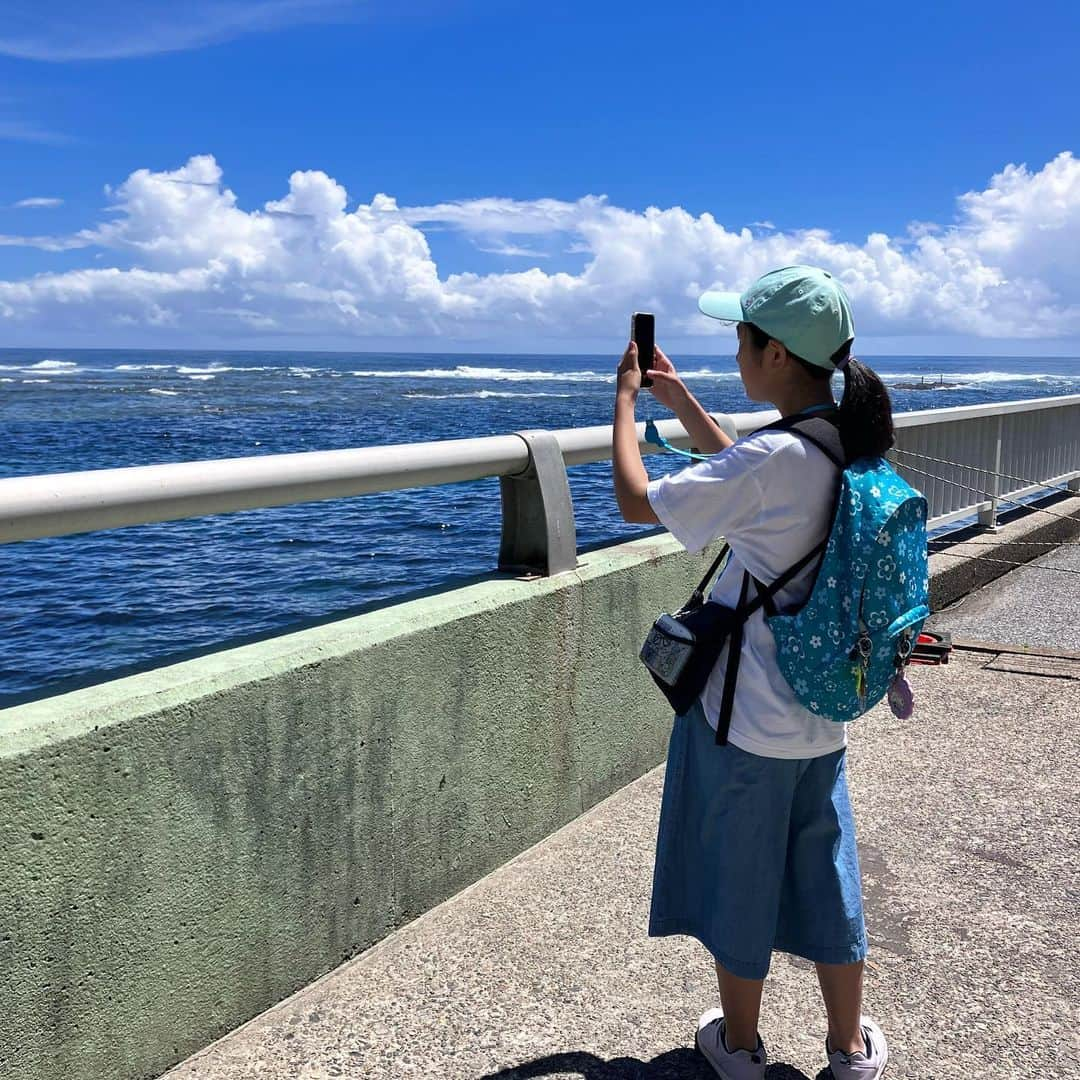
755	854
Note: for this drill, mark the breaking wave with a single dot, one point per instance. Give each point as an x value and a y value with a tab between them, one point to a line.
217	368
487	394
976	377
500	374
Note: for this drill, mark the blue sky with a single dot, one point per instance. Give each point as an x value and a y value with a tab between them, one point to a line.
812	126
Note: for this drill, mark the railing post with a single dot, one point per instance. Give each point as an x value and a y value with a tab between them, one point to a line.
988	518
725	424
538	532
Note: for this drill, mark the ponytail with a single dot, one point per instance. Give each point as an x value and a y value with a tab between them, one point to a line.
866	426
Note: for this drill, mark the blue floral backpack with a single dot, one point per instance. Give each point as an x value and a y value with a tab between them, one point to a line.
847	645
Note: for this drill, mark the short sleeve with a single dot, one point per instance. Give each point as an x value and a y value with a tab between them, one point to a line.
712	498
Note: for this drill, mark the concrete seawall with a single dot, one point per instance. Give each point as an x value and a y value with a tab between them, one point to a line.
182	848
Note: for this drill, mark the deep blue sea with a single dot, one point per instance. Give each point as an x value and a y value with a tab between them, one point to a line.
79	609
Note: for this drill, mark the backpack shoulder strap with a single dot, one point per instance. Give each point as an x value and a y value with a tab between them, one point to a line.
825	435
766	593
821	430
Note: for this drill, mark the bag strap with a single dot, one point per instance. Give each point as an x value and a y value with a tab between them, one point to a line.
698	595
767	592
792	423
735	637
727	702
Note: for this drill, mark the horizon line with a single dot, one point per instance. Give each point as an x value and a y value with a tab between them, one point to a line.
499	352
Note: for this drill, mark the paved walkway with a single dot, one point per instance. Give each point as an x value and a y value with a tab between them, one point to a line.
1038	605
968	828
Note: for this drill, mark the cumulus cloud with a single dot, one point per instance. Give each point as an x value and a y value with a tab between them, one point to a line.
190	257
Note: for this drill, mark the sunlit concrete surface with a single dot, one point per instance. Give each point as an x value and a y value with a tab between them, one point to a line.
967	823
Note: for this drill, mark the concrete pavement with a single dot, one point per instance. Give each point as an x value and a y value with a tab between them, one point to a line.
1037	605
968	825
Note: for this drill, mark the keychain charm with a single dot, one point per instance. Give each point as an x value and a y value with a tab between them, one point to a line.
901	699
863	649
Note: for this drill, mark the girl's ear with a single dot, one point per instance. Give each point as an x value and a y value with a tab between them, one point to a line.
775	355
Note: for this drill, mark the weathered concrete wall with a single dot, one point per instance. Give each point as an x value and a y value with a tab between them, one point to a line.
990	555
182	848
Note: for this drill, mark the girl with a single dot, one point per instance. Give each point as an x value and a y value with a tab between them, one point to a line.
756	848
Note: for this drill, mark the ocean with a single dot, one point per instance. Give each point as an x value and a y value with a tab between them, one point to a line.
81	609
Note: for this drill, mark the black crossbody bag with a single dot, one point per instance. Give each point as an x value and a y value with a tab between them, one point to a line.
682	648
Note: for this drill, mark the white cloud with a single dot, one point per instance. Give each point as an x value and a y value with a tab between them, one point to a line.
496	248
508	216
45	243
38	202
64	30
22	131
305	264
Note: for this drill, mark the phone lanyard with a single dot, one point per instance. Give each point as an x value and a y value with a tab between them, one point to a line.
653	436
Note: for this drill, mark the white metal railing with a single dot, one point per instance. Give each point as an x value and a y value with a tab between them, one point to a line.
971	459
1036	441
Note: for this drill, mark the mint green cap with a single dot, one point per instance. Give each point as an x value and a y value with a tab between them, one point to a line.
804	307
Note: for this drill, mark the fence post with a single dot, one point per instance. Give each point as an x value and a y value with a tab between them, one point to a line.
988	518
538	531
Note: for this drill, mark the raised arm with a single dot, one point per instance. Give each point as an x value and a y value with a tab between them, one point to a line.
671	391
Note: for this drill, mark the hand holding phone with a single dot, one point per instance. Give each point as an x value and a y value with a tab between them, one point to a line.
643	334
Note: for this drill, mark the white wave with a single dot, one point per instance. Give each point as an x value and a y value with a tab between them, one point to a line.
36	380
488	394
500	374
170	393
217	368
141	367
489	374
201	378
59	367
290	391
707	373
976	376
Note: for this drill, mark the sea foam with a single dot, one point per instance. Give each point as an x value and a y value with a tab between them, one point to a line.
59	367
488	394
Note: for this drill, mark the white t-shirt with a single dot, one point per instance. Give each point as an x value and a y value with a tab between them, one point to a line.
770	496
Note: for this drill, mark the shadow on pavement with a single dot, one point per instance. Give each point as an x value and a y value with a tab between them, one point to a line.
681	1064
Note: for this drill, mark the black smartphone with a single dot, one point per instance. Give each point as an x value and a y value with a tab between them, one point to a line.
643	334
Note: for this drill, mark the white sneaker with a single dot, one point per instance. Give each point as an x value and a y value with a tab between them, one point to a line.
860	1066
740	1065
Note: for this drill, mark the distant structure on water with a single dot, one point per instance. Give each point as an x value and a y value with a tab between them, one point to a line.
922	384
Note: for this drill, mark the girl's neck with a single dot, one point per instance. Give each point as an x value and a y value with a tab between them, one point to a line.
796	401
